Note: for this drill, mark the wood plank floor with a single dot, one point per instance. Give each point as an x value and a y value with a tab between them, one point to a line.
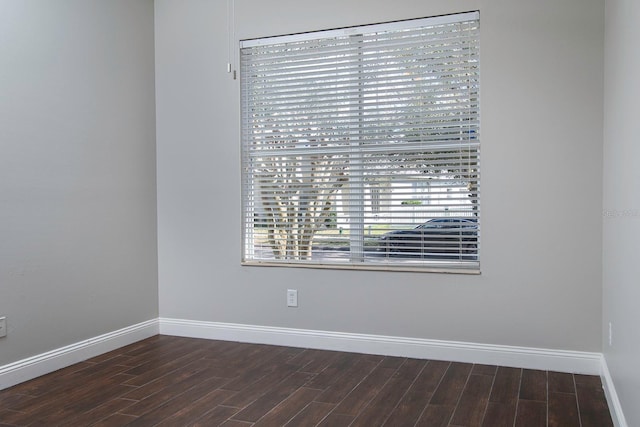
173	381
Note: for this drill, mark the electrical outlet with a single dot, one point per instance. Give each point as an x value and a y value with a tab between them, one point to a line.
292	297
3	326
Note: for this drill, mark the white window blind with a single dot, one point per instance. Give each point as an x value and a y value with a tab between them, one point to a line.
361	146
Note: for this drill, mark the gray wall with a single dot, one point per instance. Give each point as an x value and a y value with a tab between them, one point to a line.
77	171
542	109
621	206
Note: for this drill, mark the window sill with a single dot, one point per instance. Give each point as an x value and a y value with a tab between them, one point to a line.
471	270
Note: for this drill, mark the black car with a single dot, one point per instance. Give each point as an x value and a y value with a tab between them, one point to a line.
439	238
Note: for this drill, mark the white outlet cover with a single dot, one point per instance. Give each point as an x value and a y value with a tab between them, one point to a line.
292	298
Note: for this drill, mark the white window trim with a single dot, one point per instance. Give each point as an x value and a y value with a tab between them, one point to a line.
357	260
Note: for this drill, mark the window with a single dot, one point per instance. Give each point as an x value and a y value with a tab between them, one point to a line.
361	146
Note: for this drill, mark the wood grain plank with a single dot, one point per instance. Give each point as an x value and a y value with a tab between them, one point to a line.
47	405
531	413
592	405
256	369
177	404
164	380
499	414
445	398
115	420
344	363
562	410
484	370
321	362
166	394
311	415
561	382
150	345
148	372
235	423
100	412
419	394
277	394
48	382
10	399
452	384
314	361
362	394
7	417
347	380
501	409
115	359
473	402
506	386
592	381
192	412
336	420
79	405
289	408
533	385
253	391
436	416
164	352
54	388
216	416
381	406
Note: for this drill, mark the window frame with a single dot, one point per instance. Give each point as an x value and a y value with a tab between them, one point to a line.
466	266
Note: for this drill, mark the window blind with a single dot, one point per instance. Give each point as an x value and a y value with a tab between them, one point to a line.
361	146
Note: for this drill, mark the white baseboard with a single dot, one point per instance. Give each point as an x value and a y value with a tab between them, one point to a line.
615	407
32	367
520	357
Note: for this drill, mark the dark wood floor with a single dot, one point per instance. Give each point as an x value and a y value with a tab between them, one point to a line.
172	381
